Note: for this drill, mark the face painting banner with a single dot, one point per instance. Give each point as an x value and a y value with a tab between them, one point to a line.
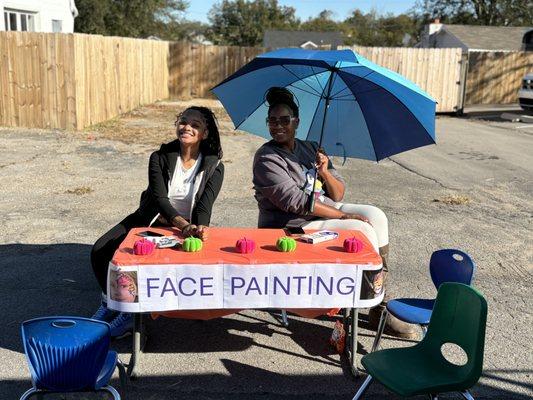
147	288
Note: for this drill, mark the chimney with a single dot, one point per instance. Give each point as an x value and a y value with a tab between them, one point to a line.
434	27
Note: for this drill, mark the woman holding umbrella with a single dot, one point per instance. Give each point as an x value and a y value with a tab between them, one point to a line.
283	177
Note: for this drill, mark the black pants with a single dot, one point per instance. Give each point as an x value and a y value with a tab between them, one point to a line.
105	247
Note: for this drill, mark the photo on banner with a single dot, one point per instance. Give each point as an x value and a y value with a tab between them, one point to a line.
123	288
372	284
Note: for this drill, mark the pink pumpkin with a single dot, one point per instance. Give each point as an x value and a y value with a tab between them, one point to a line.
245	246
353	245
143	247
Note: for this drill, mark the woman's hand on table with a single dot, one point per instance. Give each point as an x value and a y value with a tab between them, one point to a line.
199	231
202	232
189	230
356	216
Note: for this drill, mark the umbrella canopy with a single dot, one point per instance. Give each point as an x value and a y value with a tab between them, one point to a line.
351	106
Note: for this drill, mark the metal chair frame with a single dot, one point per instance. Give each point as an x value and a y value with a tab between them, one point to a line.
437	279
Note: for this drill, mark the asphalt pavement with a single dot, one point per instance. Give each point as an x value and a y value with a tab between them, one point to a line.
472	191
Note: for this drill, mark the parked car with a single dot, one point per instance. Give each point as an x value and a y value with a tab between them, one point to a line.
525	94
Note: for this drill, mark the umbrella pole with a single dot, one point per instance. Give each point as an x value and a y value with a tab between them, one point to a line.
330	84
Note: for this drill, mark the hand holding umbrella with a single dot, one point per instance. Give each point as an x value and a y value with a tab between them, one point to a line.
334	187
349	105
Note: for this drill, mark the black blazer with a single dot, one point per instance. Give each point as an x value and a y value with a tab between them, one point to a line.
154	200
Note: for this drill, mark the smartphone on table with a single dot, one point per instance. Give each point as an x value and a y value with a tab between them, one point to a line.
294	227
150	233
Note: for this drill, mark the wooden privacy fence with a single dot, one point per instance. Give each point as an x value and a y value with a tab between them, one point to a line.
75	80
194	69
439	72
494	77
72	81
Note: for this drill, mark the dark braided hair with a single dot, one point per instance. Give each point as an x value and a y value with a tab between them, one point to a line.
210	146
276	96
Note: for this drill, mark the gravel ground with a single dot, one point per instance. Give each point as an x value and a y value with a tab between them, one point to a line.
62	190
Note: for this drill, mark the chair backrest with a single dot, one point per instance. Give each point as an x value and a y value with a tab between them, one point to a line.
65	353
459	317
451	265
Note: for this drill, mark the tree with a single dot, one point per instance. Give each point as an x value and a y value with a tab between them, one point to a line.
324	22
477	12
242	23
372	29
91	16
130	18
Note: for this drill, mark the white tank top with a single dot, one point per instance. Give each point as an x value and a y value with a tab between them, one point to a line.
181	187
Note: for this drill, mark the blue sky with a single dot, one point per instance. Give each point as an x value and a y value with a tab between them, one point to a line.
198	9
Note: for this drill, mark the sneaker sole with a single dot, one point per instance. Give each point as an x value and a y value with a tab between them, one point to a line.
125	334
402	335
108	320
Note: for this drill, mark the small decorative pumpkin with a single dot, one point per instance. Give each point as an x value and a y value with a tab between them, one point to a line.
286	244
192	244
143	247
353	245
245	246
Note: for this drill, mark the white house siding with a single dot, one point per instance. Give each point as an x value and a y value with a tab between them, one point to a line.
45	12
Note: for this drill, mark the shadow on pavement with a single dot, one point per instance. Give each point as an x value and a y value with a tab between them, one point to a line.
246	382
497	113
43	279
56	279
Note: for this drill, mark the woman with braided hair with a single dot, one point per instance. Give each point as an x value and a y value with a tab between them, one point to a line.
184	179
283	177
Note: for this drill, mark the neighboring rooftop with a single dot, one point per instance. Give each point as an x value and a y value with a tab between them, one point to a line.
489	37
307	39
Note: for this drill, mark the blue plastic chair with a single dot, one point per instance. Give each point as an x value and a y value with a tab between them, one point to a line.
446	265
69	354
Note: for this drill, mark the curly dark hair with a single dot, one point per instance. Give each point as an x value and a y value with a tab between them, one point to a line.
210	146
276	96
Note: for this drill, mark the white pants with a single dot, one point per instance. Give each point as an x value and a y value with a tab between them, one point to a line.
377	233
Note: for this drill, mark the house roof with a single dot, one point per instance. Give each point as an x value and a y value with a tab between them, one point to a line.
489	37
273	38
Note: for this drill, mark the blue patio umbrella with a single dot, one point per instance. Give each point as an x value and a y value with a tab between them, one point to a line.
349	105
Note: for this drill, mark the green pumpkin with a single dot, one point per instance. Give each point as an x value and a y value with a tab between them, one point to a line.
286	244
192	244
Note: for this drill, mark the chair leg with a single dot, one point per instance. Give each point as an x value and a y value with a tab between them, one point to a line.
424	330
112	390
28	393
379	331
284	319
122	374
363	387
466	394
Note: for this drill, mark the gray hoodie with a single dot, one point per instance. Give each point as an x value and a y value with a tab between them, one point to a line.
279	182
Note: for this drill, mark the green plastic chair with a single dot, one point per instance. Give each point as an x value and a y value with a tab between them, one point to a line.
459	317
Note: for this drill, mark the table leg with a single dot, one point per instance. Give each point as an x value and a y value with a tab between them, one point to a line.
136	350
353	358
284	319
350	319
